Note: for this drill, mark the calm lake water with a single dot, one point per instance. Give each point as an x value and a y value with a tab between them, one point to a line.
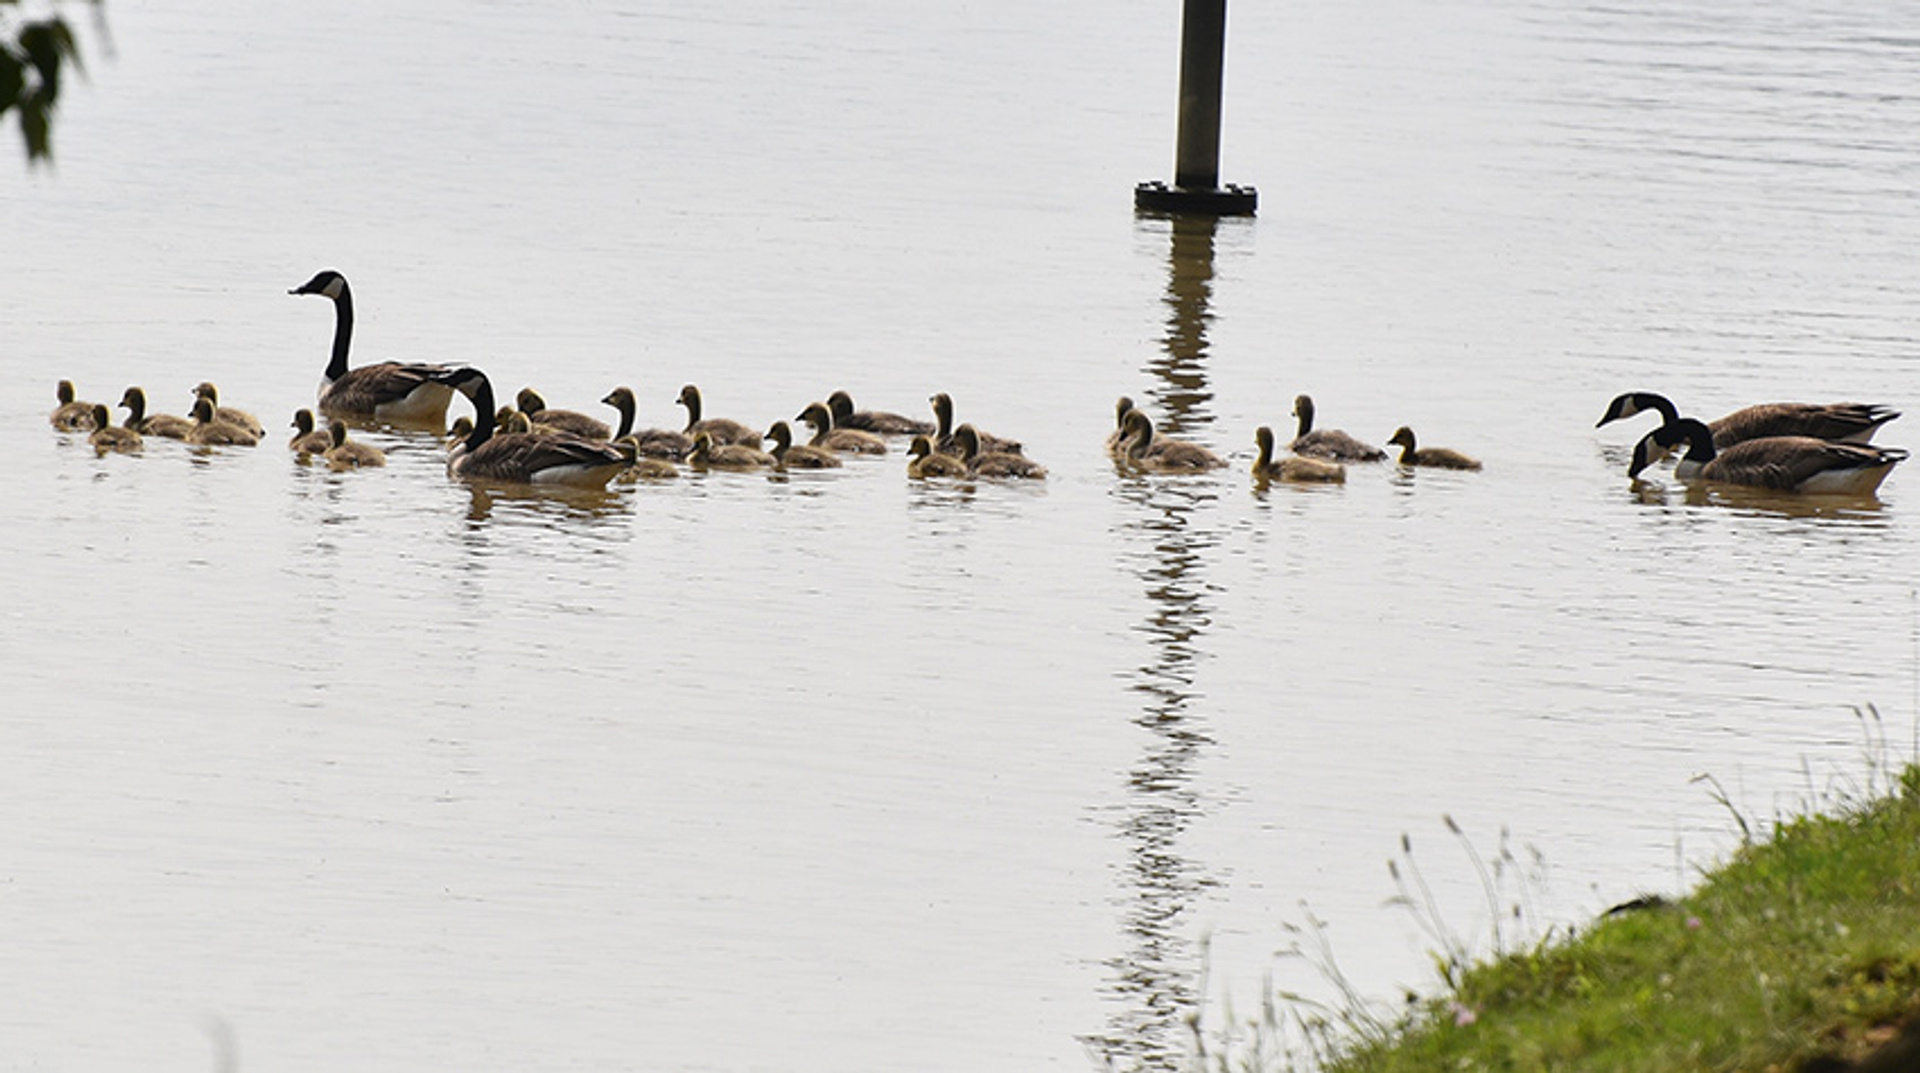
840	772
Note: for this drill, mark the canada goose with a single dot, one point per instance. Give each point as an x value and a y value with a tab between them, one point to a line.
707	454
1164	456
828	438
1436	457
652	442
349	454
1293	467
1329	443
787	455
207	432
887	424
1843	422
71	415
390	390
227	414
943	433
579	424
643	466
306	439
170	426
1117	439
926	462
993	463
723	430
1781	463
107	436
524	457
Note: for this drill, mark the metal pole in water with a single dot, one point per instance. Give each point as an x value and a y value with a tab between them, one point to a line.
1196	175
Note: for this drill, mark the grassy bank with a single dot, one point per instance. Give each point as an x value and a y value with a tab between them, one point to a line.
1803	946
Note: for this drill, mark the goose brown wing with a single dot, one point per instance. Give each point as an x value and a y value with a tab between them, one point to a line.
369	386
1786	463
1835	421
524	455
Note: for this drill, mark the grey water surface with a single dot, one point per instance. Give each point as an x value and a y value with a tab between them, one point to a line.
839	771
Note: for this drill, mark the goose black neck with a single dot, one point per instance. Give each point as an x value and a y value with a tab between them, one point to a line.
342	332
1695	434
482	415
1646	400
625	406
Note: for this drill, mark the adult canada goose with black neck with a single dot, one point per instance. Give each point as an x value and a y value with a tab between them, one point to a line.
1328	443
827	437
73	414
647	442
723	430
1144	451
529	402
886	424
789	455
1293	468
1432	457
1779	463
543	458
1841	422
169	426
399	392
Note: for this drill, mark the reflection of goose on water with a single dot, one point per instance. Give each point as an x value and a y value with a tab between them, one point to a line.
107	436
170	426
524	457
1144	451
1328	443
1434	457
1780	463
924	461
1845	422
389	390
887	424
1293	467
71	415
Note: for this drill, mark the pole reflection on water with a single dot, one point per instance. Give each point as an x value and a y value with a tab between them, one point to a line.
1157	978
